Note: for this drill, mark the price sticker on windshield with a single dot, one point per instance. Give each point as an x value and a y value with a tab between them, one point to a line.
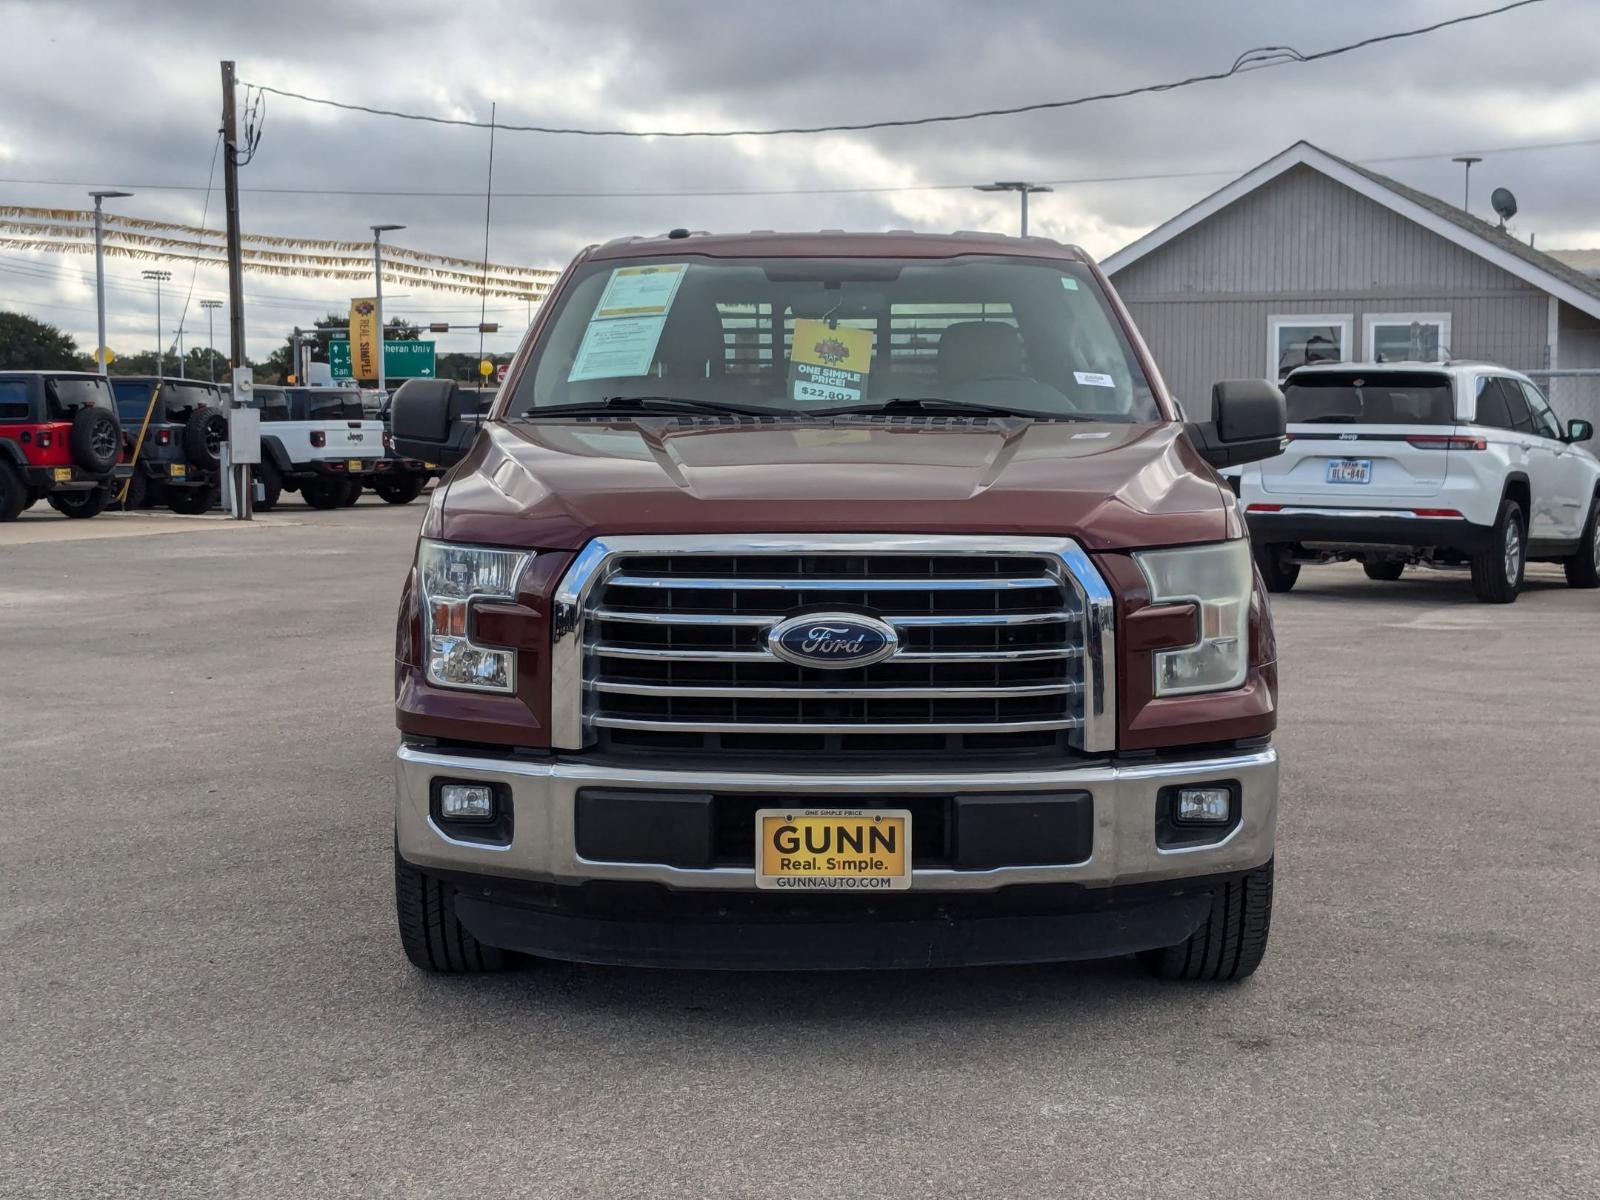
829	364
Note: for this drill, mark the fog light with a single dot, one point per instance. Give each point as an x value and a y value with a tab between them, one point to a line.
466	802
1204	806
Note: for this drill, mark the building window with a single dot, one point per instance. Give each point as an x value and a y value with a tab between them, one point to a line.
1407	337
1293	340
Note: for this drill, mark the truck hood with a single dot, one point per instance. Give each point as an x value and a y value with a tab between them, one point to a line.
556	484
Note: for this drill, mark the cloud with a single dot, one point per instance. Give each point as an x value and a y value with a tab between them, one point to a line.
127	92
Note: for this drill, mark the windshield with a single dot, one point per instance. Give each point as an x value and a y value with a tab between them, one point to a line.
66	396
1351	398
811	334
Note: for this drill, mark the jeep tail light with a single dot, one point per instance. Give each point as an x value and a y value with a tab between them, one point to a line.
1446	441
454	577
319	438
163	437
45	439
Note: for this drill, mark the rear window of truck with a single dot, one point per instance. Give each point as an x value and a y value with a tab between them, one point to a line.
1354	398
804	334
183	398
330	405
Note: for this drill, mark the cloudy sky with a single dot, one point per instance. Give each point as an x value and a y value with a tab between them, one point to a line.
126	92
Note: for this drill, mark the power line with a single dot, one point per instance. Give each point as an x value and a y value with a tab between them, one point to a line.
1258	58
801	191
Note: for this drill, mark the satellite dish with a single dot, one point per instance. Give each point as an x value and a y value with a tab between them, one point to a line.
1504	203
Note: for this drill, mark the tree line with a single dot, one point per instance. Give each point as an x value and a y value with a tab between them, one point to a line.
27	343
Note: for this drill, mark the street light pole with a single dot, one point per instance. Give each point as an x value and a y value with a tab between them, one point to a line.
160	277
1023	190
211	307
100	275
377	274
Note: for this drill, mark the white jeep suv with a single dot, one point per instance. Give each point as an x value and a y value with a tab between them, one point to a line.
1443	464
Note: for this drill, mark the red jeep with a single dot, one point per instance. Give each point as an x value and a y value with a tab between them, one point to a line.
60	440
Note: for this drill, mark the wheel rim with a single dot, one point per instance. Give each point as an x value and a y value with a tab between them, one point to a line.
1594	546
1513	558
103	441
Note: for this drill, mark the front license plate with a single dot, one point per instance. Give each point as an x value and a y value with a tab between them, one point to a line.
833	849
353	464
1349	470
63	474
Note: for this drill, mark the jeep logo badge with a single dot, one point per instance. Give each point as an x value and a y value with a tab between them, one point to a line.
832	641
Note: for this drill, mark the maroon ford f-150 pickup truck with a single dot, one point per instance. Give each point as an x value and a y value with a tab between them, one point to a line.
835	600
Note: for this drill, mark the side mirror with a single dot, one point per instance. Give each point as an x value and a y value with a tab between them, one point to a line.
1248	420
425	421
1578	431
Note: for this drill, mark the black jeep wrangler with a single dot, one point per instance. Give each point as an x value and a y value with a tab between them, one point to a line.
173	433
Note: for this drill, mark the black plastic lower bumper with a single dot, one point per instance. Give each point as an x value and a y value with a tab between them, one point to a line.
78	480
654	926
1408	532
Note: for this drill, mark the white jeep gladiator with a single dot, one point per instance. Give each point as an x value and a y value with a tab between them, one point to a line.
318	441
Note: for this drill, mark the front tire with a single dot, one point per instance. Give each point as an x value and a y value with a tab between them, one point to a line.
271	481
1387	572
434	939
192	501
325	494
399	489
1278	572
1231	943
14	493
1497	572
1583	568
81	505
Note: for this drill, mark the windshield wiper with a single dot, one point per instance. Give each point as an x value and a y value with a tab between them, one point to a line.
648	405
940	406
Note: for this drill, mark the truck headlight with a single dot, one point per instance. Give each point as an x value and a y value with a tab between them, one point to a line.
452	578
1217	578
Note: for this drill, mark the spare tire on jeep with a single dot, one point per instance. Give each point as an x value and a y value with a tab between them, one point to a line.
95	439
203	435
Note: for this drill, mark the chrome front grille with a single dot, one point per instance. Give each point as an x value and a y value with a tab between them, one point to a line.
661	645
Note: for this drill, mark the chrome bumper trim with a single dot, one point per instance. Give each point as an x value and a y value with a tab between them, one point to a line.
1124	851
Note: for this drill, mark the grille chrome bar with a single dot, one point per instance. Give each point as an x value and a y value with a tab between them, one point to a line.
1065	636
855	727
811	583
904	656
935	692
674	617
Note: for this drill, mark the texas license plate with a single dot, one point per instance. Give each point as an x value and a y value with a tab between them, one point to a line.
1349	470
63	474
833	849
353	464
177	470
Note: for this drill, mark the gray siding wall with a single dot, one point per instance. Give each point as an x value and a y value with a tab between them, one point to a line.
1577	345
1306	244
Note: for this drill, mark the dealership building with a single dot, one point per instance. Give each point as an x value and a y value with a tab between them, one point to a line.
1309	257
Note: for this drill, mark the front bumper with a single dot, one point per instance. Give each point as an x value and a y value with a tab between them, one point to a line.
1367	527
537	894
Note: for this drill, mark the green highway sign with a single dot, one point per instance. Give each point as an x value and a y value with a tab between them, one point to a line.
401	360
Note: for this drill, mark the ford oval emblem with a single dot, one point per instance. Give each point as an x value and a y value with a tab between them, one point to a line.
833	641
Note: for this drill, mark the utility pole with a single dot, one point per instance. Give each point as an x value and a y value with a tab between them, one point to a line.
100	276
377	277
1023	190
243	493
211	307
159	277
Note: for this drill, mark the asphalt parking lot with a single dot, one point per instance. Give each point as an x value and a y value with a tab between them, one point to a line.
203	993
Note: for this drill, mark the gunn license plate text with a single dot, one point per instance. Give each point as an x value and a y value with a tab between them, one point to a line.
833	849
